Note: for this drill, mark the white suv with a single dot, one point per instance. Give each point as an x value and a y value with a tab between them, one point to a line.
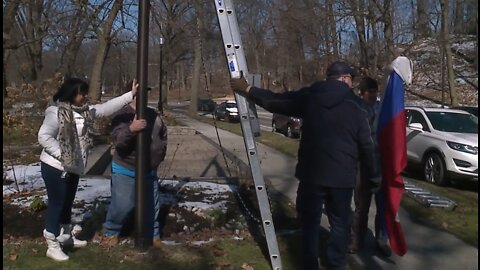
444	142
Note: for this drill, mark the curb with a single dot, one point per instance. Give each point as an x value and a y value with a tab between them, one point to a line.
98	160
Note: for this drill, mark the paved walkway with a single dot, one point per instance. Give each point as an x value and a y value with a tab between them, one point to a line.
427	248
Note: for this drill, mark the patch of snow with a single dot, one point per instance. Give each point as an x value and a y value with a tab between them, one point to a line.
464	46
204	205
422	103
23	105
28	177
202	242
94	189
170	243
205	187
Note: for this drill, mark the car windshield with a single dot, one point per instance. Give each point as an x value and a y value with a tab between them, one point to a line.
453	122
231	105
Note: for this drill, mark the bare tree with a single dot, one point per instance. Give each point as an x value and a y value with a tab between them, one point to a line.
422	19
75	30
458	15
372	19
197	64
9	13
448	53
332	28
388	28
178	26
33	21
358	12
104	35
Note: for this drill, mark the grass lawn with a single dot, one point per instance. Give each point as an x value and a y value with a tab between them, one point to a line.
461	221
283	144
220	254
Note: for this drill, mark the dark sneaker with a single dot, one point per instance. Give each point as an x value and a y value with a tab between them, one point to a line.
353	247
384	248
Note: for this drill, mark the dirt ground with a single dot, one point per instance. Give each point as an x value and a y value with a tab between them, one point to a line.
240	218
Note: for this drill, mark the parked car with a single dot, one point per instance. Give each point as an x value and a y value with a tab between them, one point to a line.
227	110
471	109
289	126
206	105
444	142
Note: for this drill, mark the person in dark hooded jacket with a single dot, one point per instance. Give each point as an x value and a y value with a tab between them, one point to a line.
335	137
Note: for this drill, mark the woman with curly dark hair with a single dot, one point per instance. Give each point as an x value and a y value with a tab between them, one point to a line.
66	137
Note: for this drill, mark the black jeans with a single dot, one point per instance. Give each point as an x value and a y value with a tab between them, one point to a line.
310	202
363	199
61	193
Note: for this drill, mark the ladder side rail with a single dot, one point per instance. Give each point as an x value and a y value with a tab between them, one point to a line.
236	62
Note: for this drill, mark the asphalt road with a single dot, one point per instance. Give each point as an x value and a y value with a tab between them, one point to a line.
264	117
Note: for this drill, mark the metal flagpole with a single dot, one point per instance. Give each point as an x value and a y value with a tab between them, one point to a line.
141	241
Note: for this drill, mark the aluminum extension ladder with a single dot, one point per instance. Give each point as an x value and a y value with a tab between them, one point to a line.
248	120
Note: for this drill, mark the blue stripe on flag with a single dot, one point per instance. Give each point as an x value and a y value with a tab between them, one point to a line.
393	101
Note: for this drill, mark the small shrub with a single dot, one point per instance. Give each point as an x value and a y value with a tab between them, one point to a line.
37	204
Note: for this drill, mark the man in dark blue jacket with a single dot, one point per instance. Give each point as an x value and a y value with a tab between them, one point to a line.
335	137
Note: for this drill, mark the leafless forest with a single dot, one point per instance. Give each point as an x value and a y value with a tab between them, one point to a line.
289	42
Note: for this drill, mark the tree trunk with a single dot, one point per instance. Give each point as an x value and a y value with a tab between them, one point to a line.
476	42
33	30
358	8
332	24
256	56
97	69
9	12
458	26
104	42
448	52
197	64
75	39
183	81
373	26
422	20
388	29
67	63
79	28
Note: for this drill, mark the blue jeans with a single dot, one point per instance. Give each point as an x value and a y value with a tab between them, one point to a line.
123	201
61	193
310	202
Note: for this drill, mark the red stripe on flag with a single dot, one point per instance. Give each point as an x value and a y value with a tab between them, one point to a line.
393	149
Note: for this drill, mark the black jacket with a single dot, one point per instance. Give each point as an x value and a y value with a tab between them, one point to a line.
125	141
335	131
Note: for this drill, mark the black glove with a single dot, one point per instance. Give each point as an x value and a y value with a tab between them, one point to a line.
374	184
239	85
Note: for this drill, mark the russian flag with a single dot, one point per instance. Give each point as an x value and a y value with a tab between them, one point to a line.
393	151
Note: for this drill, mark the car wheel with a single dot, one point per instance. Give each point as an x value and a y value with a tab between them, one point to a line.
434	169
274	127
